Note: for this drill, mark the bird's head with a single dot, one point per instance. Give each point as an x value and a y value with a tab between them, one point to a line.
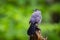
37	11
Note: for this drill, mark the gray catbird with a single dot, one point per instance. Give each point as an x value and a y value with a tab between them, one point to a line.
35	19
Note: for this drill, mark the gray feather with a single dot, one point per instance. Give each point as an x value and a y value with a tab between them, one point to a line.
36	17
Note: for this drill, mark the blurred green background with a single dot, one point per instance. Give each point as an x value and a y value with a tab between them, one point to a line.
15	16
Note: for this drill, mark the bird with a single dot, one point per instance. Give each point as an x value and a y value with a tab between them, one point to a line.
35	19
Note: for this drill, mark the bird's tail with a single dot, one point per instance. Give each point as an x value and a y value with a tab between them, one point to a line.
31	29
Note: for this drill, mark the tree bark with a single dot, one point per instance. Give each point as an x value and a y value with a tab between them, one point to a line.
37	36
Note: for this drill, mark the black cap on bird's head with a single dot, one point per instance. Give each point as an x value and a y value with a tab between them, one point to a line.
35	9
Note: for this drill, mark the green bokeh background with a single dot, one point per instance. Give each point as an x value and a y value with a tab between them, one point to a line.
15	16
